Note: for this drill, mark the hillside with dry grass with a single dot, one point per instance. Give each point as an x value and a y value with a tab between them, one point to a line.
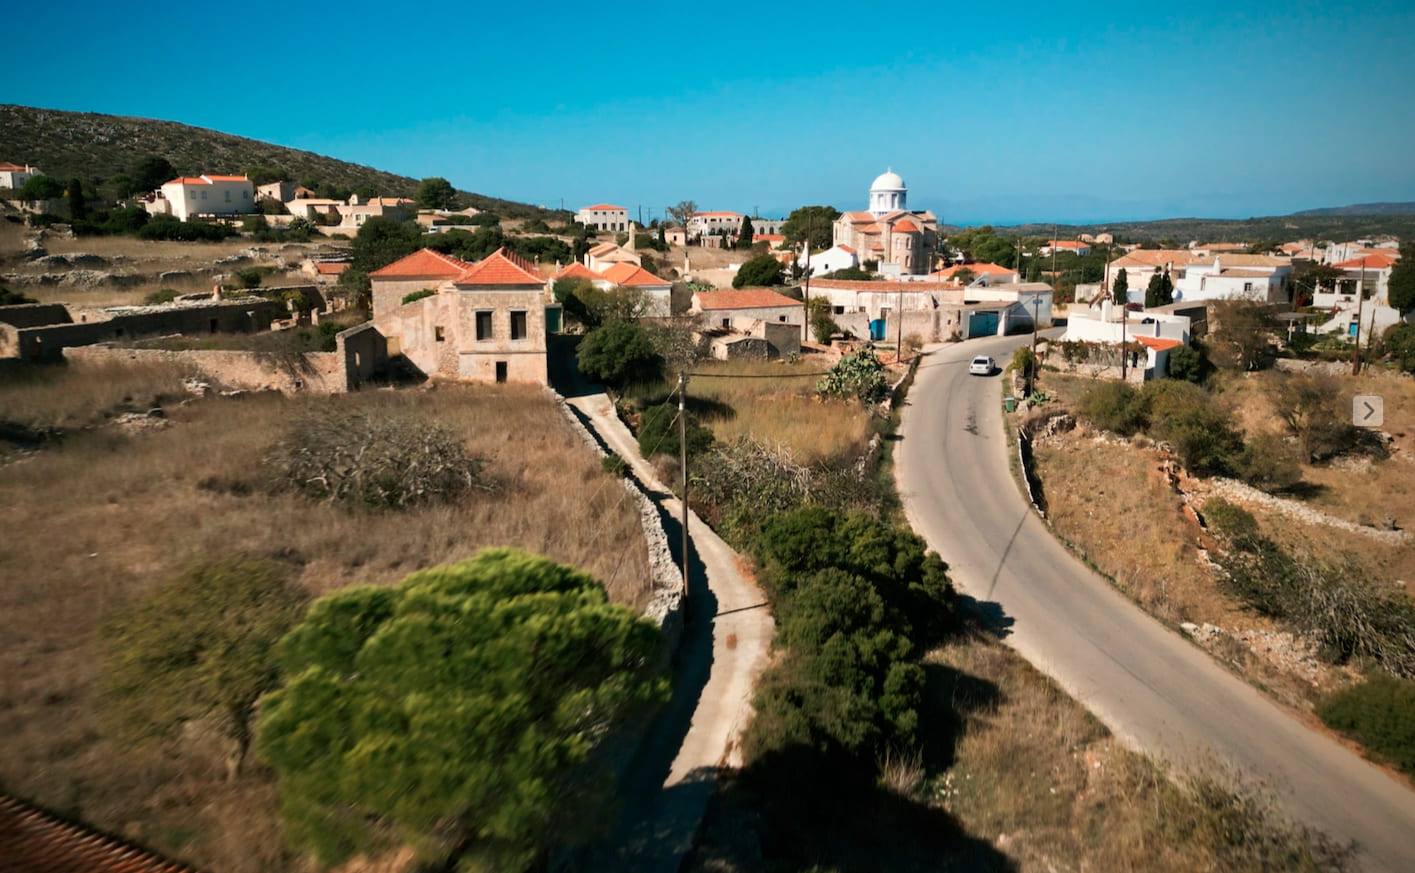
99	513
90	145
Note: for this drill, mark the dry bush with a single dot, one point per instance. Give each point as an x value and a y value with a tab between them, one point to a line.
95	521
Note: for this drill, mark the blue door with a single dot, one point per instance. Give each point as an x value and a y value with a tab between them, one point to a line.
982	324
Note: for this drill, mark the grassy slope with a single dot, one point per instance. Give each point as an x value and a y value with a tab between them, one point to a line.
88	144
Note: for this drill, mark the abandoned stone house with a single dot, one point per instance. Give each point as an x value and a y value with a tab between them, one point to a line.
752	322
40	332
484	322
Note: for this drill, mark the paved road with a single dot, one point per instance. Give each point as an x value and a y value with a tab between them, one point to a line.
1149	685
724	648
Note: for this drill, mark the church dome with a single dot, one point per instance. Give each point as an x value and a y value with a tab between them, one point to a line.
888	181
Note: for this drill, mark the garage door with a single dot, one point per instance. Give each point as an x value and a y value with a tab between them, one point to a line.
982	324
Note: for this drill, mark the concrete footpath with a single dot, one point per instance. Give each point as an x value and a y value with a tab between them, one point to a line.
725	642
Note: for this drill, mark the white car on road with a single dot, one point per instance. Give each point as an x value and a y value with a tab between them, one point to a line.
982	365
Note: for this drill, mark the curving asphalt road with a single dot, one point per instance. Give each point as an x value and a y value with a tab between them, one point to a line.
1150	686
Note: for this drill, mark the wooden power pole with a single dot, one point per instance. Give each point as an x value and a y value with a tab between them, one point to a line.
683	462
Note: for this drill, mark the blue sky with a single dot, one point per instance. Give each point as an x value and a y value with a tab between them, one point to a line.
1047	112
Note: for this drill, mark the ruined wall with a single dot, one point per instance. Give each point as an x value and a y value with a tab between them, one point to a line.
364	353
388	294
35	314
47	342
314	372
412	331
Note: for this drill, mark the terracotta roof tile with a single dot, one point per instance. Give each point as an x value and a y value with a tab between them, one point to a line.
717	214
1158	258
187	180
423	264
500	268
228	178
884	286
845	248
631	274
746	298
1370	262
607	206
577	270
978	269
906	226
8	167
1158	343
603	248
330	269
33	841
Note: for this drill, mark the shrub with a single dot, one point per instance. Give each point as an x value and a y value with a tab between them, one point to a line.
485	219
658	433
614	464
1380	713
161	295
1317	414
248	277
763	270
418	295
1195	425
1400	345
364	461
1024	361
859	375
165	227
1114	406
1269	463
1186	363
1229	520
14	298
619	353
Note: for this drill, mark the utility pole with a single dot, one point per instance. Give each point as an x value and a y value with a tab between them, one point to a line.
810	226
1360	299
641	215
683	462
1124	354
899	336
1053	252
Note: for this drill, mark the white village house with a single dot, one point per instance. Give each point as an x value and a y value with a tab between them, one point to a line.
604	216
187	196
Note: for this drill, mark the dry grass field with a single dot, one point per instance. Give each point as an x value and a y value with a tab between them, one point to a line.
775	402
97	519
1107	498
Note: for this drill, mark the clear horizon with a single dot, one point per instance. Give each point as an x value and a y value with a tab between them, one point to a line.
1045	115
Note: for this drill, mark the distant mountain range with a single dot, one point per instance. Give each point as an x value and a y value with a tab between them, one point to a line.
1406	208
1315	224
91	145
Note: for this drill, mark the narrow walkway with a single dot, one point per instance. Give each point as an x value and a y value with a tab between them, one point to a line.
724	648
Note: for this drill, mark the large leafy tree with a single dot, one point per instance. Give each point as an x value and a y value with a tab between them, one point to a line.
1400	288
818	221
436	192
42	188
1160	291
746	233
151	172
456	712
381	241
618	353
763	270
202	644
682	212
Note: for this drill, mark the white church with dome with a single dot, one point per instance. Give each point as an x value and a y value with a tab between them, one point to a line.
899	241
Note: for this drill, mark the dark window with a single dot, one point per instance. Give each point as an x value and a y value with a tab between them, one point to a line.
518	325
441	335
213	325
484	325
501	371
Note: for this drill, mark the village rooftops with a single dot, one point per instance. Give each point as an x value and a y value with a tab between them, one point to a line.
1369	262
979	269
206	180
1157	343
500	268
423	264
863	287
631	274
745	298
576	270
603	206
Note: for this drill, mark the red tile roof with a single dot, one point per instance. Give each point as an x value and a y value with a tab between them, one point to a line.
768	237
716	214
857	217
607	206
978	269
1157	343
1068	244
845	248
577	270
228	178
423	264
187	180
33	841
604	248
330	269
906	226
1370	262
501	268
631	274
8	167
746	298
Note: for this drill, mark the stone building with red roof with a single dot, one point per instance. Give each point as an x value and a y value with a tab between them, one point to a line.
483	322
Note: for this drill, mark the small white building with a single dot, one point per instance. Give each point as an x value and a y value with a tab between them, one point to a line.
279	191
14	176
353	214
604	216
837	257
1260	278
1368	277
1061	246
187	196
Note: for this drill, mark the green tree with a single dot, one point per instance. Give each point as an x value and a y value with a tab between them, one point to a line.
761	271
202	643
619	353
964	276
1399	341
1160	291
1187	363
1312	278
151	172
42	188
436	192
78	206
457	712
1242	333
745	233
381	241
1120	288
1400	287
658	433
822	320
819	221
265	175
